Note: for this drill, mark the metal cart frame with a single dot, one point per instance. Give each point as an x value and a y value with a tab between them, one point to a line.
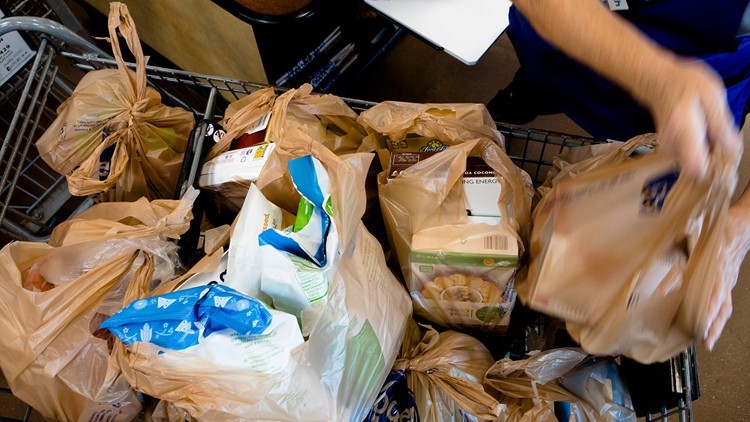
35	93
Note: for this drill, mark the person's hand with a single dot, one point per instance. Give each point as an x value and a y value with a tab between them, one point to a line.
689	106
734	248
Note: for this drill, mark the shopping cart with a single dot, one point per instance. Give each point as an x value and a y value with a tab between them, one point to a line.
33	198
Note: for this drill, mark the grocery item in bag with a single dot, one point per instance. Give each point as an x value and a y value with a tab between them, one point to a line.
639	286
459	270
336	372
465	273
528	388
431	200
55	296
113	135
437	377
247	116
238	165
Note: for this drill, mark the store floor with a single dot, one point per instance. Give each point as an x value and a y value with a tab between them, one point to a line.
413	71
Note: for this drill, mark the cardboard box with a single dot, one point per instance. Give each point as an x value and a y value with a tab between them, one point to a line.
245	164
462	275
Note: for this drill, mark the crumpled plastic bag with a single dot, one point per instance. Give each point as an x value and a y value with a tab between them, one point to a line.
437	377
178	320
337	372
240	116
325	118
113	135
529	387
55	357
626	253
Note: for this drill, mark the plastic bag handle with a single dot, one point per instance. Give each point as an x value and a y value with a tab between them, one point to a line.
262	101
119	18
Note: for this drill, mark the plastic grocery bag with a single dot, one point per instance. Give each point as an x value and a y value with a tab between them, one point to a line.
325	118
241	116
336	373
164	218
437	377
113	135
626	254
529	387
459	271
226	174
579	160
53	357
53	298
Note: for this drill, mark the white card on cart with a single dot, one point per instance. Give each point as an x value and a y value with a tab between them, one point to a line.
14	54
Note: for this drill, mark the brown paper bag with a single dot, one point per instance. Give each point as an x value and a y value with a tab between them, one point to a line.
626	254
337	372
145	140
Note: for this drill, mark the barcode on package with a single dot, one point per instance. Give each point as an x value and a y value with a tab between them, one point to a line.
496	242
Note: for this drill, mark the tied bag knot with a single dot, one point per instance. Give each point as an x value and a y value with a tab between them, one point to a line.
129	117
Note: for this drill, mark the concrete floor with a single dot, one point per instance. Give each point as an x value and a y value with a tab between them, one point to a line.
412	71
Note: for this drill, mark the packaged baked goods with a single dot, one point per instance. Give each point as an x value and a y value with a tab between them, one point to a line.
456	208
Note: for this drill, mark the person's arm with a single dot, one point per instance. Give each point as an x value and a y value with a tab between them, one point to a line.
686	98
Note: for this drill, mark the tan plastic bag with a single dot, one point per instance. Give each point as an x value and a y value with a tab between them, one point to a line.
337	373
528	389
163	217
458	290
324	118
241	115
627	255
50	356
145	140
444	371
53	297
579	160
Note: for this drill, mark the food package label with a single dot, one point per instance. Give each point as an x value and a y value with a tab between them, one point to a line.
462	275
14	53
240	164
480	184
